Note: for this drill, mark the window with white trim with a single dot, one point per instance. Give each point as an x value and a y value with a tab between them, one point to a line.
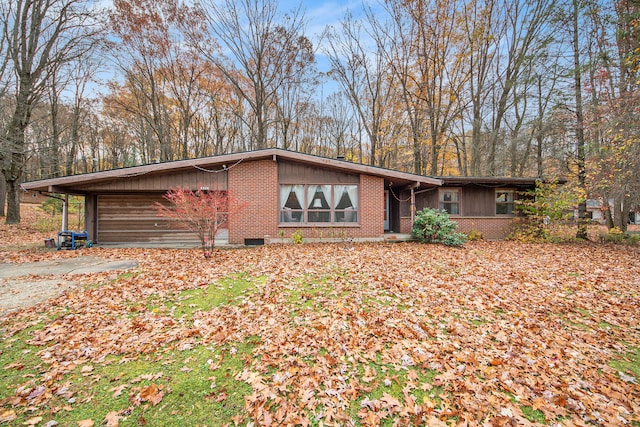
319	204
449	200
504	202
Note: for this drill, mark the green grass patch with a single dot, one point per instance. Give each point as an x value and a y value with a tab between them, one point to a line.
533	415
387	379
192	387
227	290
310	293
629	363
19	361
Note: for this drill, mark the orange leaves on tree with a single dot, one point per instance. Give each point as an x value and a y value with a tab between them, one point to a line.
202	211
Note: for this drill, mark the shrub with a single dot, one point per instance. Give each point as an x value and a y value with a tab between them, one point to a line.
297	238
431	226
546	205
202	212
474	235
615	235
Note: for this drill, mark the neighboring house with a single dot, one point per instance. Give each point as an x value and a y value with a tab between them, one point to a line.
596	212
284	191
32	197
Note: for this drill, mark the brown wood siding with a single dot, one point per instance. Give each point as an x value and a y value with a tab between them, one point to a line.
298	173
474	201
131	218
192	179
428	199
478	201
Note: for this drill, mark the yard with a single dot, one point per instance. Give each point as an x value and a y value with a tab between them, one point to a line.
495	333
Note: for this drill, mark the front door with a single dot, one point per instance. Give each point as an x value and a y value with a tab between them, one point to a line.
386	210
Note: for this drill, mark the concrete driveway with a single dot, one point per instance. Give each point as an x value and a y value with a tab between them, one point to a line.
19	291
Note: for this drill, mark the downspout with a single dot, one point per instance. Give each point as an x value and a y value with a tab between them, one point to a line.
65	208
65	213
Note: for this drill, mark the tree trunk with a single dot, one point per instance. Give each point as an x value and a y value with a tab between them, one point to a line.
620	213
608	216
13	202
12	169
3	194
581	233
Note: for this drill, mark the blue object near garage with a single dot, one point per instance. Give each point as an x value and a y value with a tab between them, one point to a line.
72	239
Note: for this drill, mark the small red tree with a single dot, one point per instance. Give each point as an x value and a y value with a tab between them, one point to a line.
200	211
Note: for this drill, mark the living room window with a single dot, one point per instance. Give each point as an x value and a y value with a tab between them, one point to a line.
323	203
504	202
449	200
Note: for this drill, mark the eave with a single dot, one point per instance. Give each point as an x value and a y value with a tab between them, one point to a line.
74	183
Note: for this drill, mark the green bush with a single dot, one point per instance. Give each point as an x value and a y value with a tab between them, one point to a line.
297	237
431	226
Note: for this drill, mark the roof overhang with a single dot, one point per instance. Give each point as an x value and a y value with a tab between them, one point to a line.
74	184
488	181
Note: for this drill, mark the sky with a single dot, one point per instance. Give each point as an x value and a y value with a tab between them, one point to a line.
319	14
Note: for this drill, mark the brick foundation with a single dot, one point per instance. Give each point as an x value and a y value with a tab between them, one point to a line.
405	225
492	228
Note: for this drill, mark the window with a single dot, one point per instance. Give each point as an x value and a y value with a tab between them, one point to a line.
449	201
318	203
504	202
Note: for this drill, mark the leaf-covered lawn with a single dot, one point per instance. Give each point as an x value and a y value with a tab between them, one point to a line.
498	333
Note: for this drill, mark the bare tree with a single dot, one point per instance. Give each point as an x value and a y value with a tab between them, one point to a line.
363	76
40	35
4	86
264	52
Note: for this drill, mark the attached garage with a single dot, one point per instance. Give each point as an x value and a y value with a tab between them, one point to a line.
131	218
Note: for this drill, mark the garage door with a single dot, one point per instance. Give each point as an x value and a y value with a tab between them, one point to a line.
132	219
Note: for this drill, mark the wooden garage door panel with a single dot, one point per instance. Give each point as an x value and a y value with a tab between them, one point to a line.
131	218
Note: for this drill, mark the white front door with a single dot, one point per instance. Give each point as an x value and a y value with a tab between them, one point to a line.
386	210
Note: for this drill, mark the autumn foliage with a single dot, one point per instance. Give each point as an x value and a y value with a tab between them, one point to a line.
203	212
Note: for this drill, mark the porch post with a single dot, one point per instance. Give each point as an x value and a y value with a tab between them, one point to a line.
413	201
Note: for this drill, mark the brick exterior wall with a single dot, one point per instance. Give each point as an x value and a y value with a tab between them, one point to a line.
255	183
371	206
405	225
491	228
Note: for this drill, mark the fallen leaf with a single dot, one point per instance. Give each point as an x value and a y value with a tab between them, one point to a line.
32	421
7	416
112	419
152	394
117	390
